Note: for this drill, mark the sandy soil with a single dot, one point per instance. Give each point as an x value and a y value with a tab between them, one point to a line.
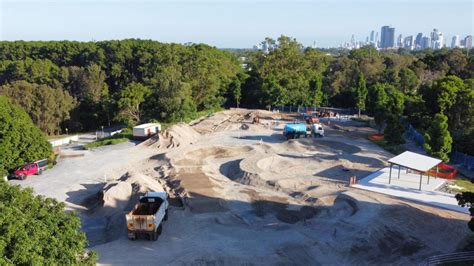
252	197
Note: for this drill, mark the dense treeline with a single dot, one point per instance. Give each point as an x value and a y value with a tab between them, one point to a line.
101	83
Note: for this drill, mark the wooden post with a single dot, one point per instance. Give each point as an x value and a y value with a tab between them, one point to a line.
390	175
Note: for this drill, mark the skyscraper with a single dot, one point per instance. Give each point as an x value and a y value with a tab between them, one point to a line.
387	38
456	41
377	45
372	36
408	43
425	42
400	41
468	42
437	39
418	41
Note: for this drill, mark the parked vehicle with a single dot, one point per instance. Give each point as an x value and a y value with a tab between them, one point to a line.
148	215
145	131
295	130
317	130
35	168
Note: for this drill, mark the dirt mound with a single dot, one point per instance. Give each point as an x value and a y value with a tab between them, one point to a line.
181	134
116	195
141	183
337	206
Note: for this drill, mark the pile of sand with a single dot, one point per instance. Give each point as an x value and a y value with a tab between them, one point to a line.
181	134
119	195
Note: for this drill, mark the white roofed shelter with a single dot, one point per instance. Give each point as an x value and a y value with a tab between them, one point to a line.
413	161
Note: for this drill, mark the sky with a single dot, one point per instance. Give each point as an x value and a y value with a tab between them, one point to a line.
230	23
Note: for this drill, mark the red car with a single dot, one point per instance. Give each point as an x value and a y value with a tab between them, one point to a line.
35	168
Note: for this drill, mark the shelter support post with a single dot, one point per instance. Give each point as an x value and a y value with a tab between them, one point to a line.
390	174
399	169
428	182
421	177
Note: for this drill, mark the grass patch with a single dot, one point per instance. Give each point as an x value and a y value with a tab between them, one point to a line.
105	142
124	136
394	149
467	185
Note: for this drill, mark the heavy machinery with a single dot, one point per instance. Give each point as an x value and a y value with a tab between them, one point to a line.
148	215
294	130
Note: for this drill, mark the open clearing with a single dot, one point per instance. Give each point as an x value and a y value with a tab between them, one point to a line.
251	198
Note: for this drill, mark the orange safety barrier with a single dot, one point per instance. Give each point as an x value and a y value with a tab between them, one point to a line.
444	171
376	137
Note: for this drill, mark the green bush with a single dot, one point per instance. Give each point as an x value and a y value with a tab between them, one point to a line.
37	231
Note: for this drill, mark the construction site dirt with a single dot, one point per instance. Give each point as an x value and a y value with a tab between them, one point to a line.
249	196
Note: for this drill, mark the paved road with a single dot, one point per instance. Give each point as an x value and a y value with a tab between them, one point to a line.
71	175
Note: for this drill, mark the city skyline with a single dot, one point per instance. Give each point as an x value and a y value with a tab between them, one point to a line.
226	24
390	38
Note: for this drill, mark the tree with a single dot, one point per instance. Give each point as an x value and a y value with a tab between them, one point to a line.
20	140
408	81
438	140
466	199
171	100
393	115
131	99
441	96
379	99
47	107
361	93
393	133
316	88
37	230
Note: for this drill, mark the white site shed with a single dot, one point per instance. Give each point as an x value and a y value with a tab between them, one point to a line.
145	131
413	161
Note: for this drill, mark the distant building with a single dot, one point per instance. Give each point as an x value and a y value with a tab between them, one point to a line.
372	36
426	42
408	43
456	42
437	39
377	44
418	41
400	40
387	38
468	42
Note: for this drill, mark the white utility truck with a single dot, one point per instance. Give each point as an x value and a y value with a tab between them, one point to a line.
148	215
317	130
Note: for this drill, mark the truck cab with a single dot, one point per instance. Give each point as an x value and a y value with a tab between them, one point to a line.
317	130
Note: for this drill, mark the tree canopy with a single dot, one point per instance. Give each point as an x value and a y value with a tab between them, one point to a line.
20	140
37	231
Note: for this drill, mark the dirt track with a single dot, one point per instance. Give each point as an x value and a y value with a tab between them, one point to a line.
254	198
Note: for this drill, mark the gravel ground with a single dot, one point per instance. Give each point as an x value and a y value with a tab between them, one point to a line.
252	198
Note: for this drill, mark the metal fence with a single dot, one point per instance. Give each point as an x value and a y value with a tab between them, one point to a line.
300	109
455	157
412	134
462	159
